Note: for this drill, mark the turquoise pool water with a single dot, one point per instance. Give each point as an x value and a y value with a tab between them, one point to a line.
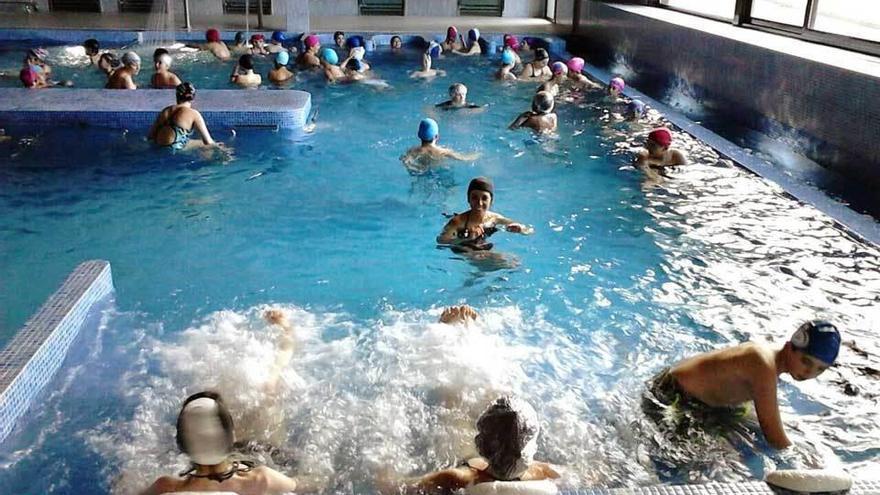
619	278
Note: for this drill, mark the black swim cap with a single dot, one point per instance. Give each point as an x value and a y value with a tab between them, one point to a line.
507	435
239	38
110	59
185	91
541	54
246	62
481	184
91	45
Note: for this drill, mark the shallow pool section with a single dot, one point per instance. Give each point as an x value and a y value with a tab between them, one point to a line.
621	277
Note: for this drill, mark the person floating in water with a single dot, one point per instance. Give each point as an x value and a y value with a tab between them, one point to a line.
396	44
457	99
657	153
508	62
451	43
506	440
93	50
280	74
715	383
429	151
309	58
459	315
123	78
472	47
206	433
214	44
175	123
541	117
427	72
163	78
243	73
469	231
538	68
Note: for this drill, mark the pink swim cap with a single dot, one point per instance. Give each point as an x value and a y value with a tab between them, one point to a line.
511	42
576	64
661	136
451	33
311	40
28	77
617	83
212	35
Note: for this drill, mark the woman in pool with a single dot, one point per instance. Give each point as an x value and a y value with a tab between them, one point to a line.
507	435
309	59
538	69
468	231
175	123
396	44
541	117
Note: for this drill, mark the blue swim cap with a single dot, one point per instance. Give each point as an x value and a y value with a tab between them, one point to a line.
282	58
434	49
819	339
329	55
636	107
507	57
355	41
473	34
428	129
278	37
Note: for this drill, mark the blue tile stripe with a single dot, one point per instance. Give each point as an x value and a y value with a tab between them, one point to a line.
862	487
31	358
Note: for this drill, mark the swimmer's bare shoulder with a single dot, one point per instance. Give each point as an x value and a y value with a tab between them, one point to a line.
445	481
165	484
542	471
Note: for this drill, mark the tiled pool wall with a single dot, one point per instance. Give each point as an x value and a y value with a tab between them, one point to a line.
31	358
831	115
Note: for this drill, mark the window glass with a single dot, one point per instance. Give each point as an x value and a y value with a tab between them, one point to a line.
853	18
715	8
783	11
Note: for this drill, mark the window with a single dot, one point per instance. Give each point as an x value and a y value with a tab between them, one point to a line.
851	18
791	12
715	8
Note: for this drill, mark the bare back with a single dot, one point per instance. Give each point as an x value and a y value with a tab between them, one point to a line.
726	377
258	481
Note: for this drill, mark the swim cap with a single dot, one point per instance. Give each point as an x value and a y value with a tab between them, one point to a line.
819	339
576	64
278	37
434	49
543	102
358	52
617	83
458	89
246	62
355	65
507	57
38	53
282	58
257	37
185	91
131	58
559	68
508	437
473	35
91	45
28	77
311	40
481	184
239	38
661	136
212	35
205	430
428	129
158	52
541	54
355	41
636	107
451	33
165	59
329	55
511	42
110	59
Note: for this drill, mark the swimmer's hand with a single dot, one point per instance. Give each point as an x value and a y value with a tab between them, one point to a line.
518	228
474	232
458	314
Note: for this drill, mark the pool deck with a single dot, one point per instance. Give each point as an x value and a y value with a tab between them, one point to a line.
222	108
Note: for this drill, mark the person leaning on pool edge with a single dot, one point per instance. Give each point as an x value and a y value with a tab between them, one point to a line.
715	383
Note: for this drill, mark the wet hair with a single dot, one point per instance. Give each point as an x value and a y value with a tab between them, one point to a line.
158	52
541	54
239	38
185	91
246	62
222	414
507	437
92	46
338	34
395	37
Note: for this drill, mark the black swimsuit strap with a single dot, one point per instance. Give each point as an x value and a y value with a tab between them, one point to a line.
237	467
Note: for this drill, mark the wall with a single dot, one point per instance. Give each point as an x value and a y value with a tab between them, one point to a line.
431	8
333	7
565	14
524	8
830	115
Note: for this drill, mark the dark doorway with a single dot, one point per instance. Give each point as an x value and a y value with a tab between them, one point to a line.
76	5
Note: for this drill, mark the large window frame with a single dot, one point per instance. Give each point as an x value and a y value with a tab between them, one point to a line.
742	17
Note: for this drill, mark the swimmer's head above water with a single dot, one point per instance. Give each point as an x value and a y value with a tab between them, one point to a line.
282	59
458	93
473	35
575	64
434	49
616	86
132	60
339	39
396	43
635	110
559	69
185	91
511	42
542	58
108	62
507	57
658	141
818	342
246	62
163	61
239	38
429	131
28	77
278	37
543	102
480	193
92	46
205	431
329	56
451	34
312	43
507	437
212	36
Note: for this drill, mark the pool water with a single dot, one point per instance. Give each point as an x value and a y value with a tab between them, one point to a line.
620	278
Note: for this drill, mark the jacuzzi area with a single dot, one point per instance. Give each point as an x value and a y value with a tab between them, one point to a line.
133	276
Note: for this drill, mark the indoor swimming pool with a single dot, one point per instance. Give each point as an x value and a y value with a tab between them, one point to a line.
620	278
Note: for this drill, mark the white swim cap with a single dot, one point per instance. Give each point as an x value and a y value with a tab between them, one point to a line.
205	429
358	52
508	437
131	58
165	59
458	89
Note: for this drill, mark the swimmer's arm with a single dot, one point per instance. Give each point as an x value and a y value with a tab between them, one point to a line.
678	158
234	76
523	117
642	159
162	485
176	80
767	408
129	83
199	124
512	225
464	157
277	482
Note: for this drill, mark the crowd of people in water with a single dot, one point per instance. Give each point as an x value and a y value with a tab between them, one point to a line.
699	389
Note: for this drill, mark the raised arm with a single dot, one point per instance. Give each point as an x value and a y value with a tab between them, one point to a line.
519	121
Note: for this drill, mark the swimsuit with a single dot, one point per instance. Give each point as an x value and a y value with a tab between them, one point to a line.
477	244
181	136
664	395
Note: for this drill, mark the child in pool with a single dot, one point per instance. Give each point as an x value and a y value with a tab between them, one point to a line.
541	117
429	151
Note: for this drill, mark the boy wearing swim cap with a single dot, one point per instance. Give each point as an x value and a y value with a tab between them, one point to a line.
542	117
508	62
309	59
240	45
427	72
124	77
93	50
537	69
429	151
457	99
276	42
658	153
280	74
469	231
715	382
163	78
576	76
243	73
214	45
332	72
472	46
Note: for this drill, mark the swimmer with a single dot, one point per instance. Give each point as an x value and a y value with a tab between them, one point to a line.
339	39
215	45
163	78
93	50
175	123
243	73
472	47
429	151
123	78
560	72
507	435
577	78
258	45
205	432
29	79
468	231
510	42
451	43
427	72
276	42
657	153
332	71
538	68
541	117
457	99
508	62
529	44
718	381
280	73
240	45
615	88
459	315
309	58
635	111
396	44
36	60
357	52
109	63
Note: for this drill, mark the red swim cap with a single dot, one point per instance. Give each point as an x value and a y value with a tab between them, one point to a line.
28	77
212	35
258	37
661	136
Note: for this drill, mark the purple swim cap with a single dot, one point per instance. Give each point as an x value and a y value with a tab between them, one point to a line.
617	83
576	64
